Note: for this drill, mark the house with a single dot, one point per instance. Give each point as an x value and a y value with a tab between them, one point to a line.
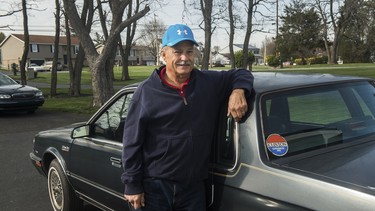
224	55
139	55
41	49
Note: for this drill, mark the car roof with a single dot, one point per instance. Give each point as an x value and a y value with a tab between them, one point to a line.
271	81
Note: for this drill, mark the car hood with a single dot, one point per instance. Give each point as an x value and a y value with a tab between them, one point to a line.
17	88
350	164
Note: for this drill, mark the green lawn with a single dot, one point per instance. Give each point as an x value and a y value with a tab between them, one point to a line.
82	104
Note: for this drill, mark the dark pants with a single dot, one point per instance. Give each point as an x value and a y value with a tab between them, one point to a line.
162	195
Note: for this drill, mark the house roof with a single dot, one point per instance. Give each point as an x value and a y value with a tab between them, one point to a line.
45	39
250	47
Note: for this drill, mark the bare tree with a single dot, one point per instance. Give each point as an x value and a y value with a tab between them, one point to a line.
151	34
8	10
101	73
206	8
251	9
26	43
56	50
212	13
321	6
340	23
69	59
130	33
231	33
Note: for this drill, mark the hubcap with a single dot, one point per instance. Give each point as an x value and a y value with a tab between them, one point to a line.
55	189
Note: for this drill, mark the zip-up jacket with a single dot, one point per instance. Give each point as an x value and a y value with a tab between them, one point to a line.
168	134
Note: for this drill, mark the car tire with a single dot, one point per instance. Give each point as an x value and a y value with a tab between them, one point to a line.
61	193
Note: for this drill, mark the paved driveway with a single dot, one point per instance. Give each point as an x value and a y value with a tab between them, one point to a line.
21	187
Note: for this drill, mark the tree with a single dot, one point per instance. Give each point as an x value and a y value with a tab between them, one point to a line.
250	9
239	55
300	33
322	6
151	35
231	32
101	69
75	71
26	43
212	13
206	8
130	33
56	50
355	46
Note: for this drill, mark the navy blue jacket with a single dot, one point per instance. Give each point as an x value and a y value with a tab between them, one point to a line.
167	138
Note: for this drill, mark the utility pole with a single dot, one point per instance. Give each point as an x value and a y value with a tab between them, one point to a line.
277	33
277	18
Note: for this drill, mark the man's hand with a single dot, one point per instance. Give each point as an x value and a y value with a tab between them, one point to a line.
237	105
137	201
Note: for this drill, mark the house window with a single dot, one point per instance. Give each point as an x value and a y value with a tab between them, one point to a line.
34	48
76	49
52	47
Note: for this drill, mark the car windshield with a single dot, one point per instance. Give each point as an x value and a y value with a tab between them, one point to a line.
5	80
301	120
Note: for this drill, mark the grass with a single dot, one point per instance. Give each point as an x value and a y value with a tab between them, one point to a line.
82	104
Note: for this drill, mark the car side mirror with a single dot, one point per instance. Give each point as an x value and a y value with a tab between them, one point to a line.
81	131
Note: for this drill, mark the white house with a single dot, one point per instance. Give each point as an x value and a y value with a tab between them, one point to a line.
224	53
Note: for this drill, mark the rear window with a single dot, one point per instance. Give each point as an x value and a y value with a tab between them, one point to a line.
302	120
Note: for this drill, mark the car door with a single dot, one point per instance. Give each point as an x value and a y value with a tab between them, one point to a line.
95	161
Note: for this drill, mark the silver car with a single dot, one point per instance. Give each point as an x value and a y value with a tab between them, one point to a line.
308	143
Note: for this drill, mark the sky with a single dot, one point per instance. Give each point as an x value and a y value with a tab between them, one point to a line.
42	23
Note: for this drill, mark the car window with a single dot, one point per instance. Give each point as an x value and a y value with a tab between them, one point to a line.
302	120
110	124
5	80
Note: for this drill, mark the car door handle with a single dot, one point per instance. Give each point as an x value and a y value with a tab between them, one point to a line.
116	162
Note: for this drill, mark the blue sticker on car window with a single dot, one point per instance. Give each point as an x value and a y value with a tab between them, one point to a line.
277	145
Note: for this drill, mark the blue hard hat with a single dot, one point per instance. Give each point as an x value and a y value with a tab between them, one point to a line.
177	33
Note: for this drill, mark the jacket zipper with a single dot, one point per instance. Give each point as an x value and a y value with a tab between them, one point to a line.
182	94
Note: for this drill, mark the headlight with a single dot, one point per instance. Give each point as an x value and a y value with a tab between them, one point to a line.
39	94
5	96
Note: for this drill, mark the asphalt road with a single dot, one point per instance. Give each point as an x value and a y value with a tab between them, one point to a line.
21	186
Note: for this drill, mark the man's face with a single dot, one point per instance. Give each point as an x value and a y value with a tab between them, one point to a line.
179	58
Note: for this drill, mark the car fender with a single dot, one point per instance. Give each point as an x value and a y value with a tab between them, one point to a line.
50	154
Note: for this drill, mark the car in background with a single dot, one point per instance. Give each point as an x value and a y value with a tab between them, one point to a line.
36	68
17	97
48	66
307	143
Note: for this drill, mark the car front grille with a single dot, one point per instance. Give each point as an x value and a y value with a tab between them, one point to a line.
23	95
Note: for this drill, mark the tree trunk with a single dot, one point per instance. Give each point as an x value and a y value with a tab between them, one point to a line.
325	30
26	43
245	52
124	62
101	75
231	34
130	33
72	91
206	7
56	50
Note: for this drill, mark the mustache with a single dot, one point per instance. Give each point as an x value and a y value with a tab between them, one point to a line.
183	63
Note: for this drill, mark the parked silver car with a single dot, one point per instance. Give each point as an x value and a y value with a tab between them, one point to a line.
35	68
48	66
308	143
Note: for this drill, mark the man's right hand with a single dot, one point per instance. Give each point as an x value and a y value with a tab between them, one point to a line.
137	201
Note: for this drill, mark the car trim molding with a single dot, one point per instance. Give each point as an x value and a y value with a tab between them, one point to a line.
92	201
104	189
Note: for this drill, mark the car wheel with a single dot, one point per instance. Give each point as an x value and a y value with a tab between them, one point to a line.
61	194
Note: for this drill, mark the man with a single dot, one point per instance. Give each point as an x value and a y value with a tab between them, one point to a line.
170	126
